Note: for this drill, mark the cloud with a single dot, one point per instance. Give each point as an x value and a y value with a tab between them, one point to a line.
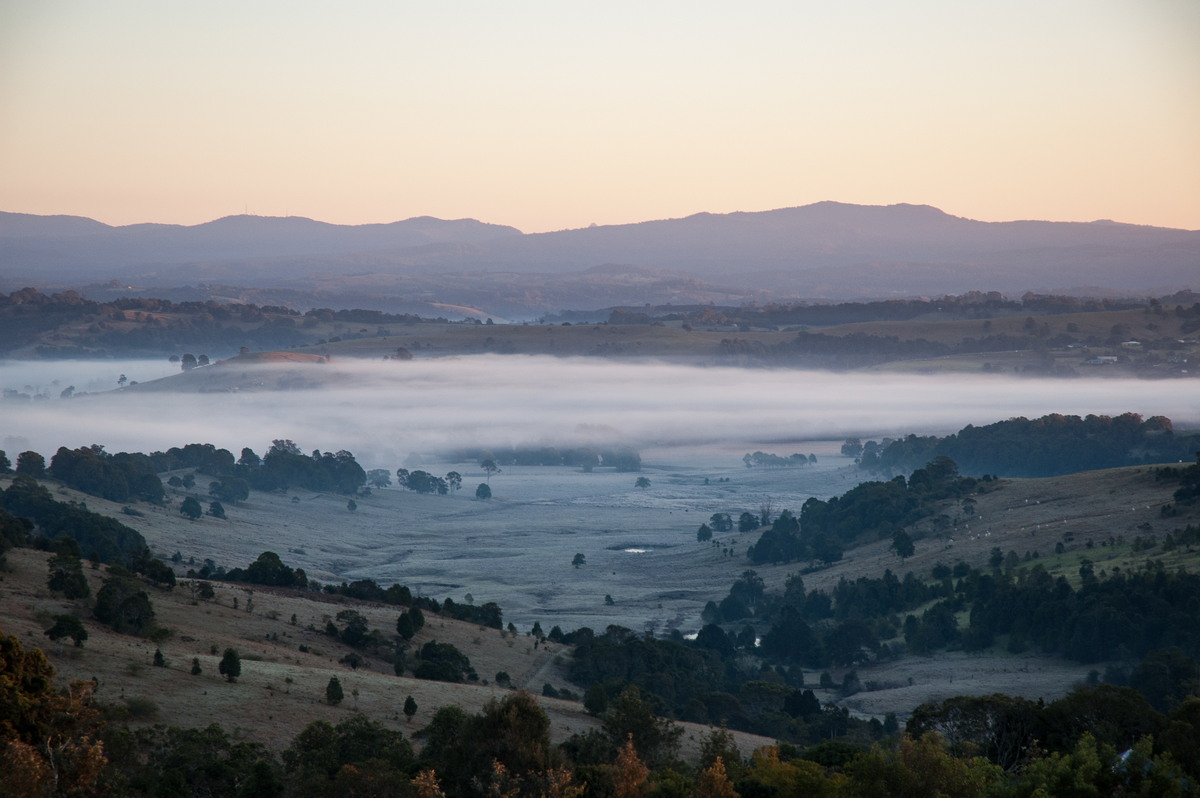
383	411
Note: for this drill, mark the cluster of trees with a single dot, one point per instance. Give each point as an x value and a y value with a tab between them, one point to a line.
103	539
621	458
284	466
117	477
1095	741
745	667
766	460
971	305
1041	447
425	483
869	511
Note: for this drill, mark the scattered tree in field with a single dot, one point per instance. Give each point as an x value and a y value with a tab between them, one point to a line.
379	478
404	626
903	544
642	482
484	491
489	467
231	665
747	522
191	508
579	560
216	509
196	669
454	480
351	505
67	626
66	571
410	708
720	522
160	661
704	533
187	362
333	691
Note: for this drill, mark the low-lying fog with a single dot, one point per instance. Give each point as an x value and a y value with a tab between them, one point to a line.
692	425
384	411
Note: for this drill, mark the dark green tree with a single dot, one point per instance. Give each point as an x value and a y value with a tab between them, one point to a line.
903	544
642	482
231	665
489	467
579	560
191	508
484	491
333	691
720	522
67	626
196	669
31	464
410	708
216	509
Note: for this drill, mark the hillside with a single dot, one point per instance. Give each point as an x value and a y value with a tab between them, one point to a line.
1108	517
281	689
827	250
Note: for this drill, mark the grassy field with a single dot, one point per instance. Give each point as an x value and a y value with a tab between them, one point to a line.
1095	515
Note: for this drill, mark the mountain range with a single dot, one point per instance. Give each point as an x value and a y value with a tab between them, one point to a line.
825	251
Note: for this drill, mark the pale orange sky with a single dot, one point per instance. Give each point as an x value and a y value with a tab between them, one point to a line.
548	115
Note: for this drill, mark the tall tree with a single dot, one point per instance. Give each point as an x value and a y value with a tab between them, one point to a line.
231	665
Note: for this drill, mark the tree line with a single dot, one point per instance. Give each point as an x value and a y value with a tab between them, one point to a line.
1051	445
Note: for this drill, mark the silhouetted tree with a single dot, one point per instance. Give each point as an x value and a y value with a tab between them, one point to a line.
231	665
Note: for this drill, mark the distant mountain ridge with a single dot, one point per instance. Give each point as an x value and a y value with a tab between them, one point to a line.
826	250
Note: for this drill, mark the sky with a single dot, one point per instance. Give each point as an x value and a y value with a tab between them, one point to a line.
555	115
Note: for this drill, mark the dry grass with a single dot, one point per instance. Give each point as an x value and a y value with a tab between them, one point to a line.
281	689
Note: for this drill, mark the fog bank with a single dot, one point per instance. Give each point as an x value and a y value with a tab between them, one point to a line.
385	411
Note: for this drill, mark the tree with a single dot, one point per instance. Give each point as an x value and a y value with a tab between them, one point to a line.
216	509
579	560
351	505
903	544
631	773
483	491
379	478
196	669
720	522
489	467
714	782
191	508
410	708
32	464
67	626
333	691
704	533
160	660
595	701
187	362
231	665
642	482
404	626
747	522
454	480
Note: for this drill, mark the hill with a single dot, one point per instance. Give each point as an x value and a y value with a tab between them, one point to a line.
826	250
